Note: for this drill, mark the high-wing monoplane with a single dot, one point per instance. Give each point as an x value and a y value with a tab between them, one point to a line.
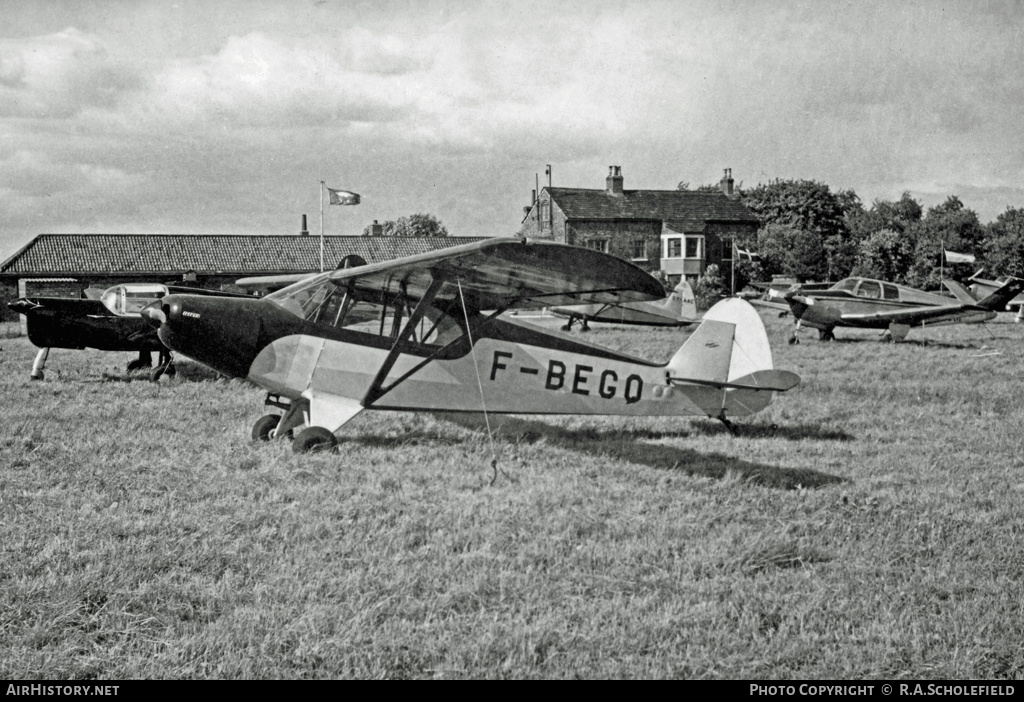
875	304
110	322
678	309
423	333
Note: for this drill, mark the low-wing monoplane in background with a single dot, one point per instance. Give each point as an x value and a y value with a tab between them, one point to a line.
678	309
982	287
110	322
423	333
875	304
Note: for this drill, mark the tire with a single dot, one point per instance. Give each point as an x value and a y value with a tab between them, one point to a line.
314	440
171	370
156	374
263	427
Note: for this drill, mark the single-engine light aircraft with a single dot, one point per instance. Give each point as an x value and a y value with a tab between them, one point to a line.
110	322
679	309
875	304
423	333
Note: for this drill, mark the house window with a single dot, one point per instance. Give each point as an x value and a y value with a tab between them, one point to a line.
694	247
727	248
597	245
545	215
674	247
639	250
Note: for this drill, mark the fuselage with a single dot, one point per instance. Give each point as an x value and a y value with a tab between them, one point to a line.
456	364
79	324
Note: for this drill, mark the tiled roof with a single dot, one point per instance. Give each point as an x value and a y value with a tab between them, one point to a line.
82	254
687	208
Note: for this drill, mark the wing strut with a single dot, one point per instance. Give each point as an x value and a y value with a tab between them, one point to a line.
377	389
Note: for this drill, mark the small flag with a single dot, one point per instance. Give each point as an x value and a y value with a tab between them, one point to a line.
744	255
343	197
954	257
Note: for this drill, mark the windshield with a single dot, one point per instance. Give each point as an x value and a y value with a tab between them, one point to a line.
848	285
320	301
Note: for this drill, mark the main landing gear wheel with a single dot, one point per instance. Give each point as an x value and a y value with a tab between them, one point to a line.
263	429
169	370
314	440
793	340
143	361
826	335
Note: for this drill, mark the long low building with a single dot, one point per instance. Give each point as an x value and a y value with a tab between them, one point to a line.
64	265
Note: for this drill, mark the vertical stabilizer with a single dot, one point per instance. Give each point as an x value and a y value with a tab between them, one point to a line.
730	343
682	304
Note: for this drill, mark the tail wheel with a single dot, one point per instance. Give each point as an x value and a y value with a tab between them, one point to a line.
265	426
314	440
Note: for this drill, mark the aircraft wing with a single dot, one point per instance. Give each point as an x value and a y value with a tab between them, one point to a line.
770	304
507	273
269	283
914	315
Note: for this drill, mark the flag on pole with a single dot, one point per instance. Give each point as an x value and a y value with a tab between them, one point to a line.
343	197
745	255
954	257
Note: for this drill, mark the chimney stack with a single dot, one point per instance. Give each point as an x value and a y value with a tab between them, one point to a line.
376	229
304	232
613	183
726	184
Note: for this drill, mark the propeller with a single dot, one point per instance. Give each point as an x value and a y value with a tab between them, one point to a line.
154	312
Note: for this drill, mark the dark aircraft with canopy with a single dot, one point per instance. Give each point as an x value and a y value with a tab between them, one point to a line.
112	321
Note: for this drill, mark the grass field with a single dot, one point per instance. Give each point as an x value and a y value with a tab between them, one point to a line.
868	524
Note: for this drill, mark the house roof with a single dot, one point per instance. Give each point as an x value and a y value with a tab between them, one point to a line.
683	208
104	254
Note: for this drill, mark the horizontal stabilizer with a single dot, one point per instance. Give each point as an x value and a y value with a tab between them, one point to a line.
960	292
773	380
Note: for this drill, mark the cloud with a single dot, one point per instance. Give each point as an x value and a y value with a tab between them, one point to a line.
256	80
59	75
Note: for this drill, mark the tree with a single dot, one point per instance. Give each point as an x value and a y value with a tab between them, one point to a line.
947	226
418	224
709	288
810	207
786	249
886	255
1004	244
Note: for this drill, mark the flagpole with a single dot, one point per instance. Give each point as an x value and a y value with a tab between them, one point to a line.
321	226
942	255
733	257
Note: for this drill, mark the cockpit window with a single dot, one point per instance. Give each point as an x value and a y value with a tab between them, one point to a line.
891	292
869	288
848	285
129	299
379	312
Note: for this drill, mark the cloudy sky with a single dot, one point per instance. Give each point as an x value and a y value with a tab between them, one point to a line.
222	117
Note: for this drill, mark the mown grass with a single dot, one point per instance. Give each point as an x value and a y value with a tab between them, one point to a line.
865	525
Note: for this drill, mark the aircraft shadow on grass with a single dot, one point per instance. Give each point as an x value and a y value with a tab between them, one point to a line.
628	446
798	432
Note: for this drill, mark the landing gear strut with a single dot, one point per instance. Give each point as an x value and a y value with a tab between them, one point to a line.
39	364
275	426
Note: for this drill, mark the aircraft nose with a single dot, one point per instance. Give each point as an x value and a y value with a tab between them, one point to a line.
154	312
